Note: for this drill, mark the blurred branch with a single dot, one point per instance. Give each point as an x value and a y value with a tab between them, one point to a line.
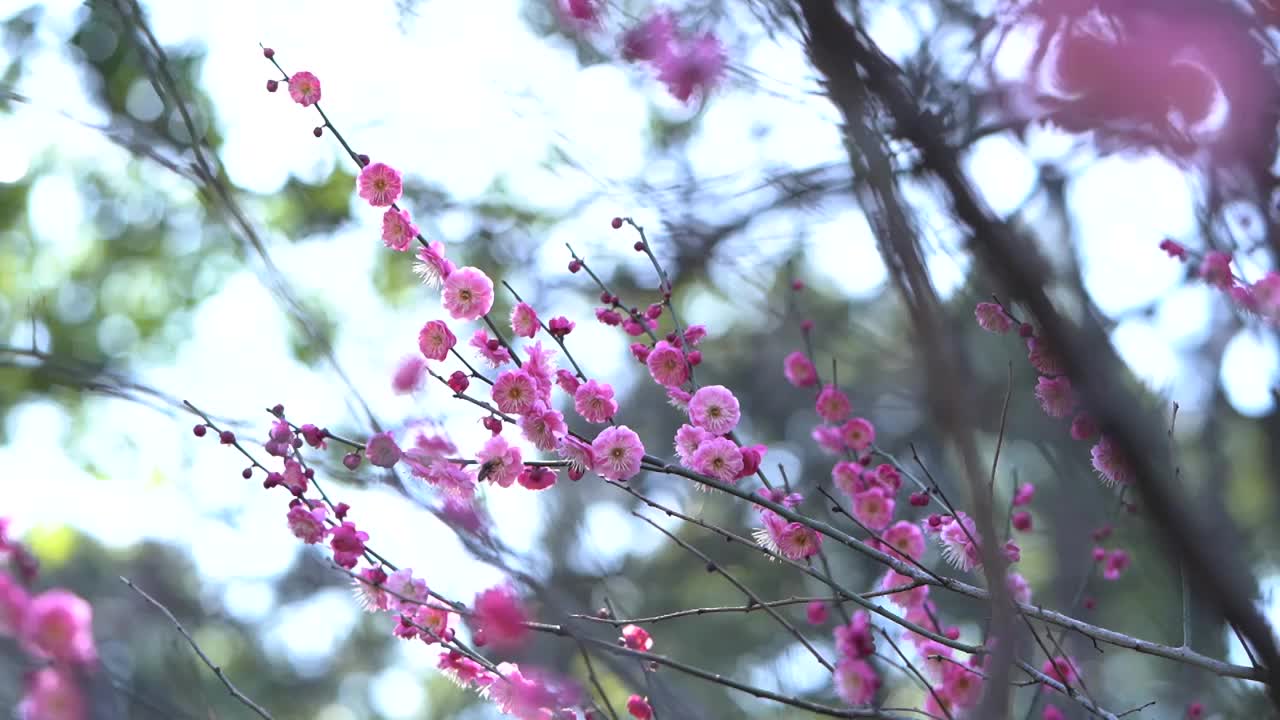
1085	351
231	688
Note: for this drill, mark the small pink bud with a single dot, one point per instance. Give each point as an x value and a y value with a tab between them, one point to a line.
362	159
816	612
277	410
199	430
340	510
351	460
919	499
458	382
246	473
639	246
318	131
226	437
1022	521
268	53
695	357
493	424
574	266
797	285
272	85
953	633
616	223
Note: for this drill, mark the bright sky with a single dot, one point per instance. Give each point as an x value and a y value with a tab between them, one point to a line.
461	94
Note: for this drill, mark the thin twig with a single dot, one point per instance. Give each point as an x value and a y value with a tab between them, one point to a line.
231	688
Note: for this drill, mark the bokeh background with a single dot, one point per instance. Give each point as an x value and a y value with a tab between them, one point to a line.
125	289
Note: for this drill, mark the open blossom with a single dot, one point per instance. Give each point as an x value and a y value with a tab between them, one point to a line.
961	686
856	681
449	478
992	318
52	693
379	184
435	340
847	475
667	364
1056	396
594	401
463	670
307	523
370	586
406	592
618	452
799	370
714	409
858	434
500	618
1019	588
797	541
543	426
304	88
432	266
678	399
720	458
501	462
957	537
409	375
347	544
906	539
692	67
567	381
398	229
514	392
541	366
1042	358
382	450
855	639
524	321
581	457
1063	669
874	508
468	294
832	405
58	626
688	439
884	476
1110	463
494	353
650	39
909	599
829	438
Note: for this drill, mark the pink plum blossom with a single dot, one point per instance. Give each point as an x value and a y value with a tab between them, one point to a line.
467	294
380	184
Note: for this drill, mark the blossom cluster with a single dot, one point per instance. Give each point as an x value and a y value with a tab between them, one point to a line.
529	403
54	629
